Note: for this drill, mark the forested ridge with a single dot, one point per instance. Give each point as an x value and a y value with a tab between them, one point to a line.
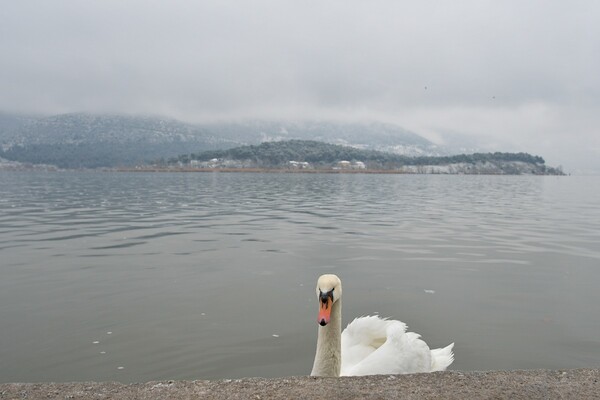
279	154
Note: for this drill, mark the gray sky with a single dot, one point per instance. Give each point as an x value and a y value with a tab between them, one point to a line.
513	75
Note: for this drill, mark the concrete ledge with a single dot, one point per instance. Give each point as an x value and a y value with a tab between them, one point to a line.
533	384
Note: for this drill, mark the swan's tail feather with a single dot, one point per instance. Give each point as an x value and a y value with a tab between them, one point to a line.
442	358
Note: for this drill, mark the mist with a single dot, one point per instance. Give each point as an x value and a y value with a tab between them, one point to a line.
510	76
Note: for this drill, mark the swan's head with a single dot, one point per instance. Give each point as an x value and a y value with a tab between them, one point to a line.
329	290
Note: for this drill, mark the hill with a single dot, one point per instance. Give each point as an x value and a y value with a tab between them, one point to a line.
308	154
91	141
94	141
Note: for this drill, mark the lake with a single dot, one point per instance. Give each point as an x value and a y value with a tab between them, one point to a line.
152	276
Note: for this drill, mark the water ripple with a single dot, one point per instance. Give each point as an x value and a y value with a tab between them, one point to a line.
184	269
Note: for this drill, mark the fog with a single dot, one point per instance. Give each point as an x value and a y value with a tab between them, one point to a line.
510	76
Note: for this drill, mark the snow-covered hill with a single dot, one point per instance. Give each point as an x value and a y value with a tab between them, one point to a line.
91	141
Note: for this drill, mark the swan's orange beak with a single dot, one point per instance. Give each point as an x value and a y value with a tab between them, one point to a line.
325	301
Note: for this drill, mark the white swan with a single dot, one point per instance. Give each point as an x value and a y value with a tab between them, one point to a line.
369	345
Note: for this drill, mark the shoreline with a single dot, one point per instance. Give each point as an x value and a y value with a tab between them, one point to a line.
307	171
525	384
265	170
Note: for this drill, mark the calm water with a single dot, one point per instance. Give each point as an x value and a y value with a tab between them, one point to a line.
137	277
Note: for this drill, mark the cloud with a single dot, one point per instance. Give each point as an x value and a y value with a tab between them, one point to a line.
507	72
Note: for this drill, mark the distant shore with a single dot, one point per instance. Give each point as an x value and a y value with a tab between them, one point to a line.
578	384
301	171
265	170
46	168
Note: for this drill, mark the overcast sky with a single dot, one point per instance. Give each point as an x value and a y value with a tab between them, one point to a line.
512	75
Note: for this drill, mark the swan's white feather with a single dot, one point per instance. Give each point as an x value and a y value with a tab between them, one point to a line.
442	358
372	345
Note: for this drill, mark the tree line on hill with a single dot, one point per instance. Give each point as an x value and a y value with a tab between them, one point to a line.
279	154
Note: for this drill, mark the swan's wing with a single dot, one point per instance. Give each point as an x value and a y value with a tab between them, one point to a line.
400	353
362	337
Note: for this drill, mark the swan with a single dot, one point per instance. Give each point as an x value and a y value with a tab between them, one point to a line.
369	345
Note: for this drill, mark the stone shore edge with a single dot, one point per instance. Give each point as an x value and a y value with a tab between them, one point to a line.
528	384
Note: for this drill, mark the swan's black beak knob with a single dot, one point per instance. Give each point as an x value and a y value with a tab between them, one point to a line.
325	303
325	297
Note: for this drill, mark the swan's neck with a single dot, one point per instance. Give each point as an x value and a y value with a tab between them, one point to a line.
328	359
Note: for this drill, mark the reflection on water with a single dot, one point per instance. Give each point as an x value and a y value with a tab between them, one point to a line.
137	277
